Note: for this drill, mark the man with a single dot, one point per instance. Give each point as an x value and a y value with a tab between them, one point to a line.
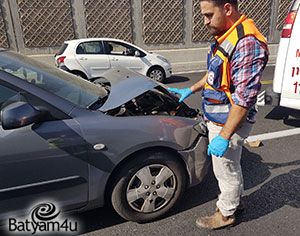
229	91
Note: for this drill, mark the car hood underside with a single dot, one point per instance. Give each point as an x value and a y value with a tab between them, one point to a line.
125	85
133	94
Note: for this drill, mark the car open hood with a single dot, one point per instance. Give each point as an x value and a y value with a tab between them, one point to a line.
125	85
133	94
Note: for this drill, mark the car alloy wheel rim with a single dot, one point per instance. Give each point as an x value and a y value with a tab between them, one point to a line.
156	75
151	188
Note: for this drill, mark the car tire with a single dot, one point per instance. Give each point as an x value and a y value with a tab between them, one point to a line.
156	73
148	186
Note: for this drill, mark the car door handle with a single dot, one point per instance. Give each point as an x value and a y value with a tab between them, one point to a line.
83	58
115	59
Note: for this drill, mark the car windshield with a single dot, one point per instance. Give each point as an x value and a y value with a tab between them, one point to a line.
63	84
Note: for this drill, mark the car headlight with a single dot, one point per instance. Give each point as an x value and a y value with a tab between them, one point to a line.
163	59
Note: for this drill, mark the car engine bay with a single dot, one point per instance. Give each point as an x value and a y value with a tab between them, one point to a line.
154	102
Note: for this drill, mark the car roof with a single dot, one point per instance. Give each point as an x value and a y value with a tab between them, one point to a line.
75	42
94	39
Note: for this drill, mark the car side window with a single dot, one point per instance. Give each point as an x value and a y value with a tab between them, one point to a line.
39	103
90	48
5	95
9	95
116	48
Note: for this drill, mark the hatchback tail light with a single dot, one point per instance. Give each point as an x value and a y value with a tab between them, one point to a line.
60	60
288	25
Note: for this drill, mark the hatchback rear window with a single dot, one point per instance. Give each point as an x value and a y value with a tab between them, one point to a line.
62	49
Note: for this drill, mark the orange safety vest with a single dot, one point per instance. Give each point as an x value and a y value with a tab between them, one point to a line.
216	93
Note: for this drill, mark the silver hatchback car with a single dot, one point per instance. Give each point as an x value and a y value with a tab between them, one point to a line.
127	142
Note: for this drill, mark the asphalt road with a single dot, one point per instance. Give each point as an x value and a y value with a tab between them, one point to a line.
272	185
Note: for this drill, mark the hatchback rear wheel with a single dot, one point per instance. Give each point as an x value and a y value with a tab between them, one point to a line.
79	74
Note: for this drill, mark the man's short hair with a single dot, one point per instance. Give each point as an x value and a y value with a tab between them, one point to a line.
234	3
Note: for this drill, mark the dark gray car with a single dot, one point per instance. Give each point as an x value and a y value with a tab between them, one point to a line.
127	141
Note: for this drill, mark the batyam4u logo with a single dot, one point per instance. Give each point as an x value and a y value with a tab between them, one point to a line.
44	218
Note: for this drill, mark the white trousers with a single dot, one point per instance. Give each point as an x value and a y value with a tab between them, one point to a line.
227	169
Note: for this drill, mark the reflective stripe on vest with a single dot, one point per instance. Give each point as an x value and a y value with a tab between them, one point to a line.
216	108
218	78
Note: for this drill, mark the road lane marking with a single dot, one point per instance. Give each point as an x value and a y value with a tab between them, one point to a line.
200	71
188	72
267	82
261	99
273	135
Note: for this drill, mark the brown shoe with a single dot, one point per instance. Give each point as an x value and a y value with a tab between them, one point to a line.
216	221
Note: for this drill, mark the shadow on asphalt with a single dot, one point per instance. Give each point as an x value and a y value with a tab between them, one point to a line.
289	116
278	113
276	193
98	219
176	79
279	191
292	122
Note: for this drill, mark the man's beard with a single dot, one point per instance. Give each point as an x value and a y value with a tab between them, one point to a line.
215	32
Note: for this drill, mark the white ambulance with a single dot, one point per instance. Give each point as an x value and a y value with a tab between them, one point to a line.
286	84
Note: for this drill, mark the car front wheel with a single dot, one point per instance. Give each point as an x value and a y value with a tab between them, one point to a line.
157	74
148	186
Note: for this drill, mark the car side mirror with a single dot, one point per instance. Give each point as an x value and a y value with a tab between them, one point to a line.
137	54
19	114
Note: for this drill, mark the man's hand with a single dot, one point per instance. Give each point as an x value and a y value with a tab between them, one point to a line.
218	146
184	93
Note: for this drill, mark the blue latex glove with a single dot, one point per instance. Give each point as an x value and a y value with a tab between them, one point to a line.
218	146
184	93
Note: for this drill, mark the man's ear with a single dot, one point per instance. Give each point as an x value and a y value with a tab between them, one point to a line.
228	9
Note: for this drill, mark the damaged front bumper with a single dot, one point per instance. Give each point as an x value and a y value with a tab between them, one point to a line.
196	160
